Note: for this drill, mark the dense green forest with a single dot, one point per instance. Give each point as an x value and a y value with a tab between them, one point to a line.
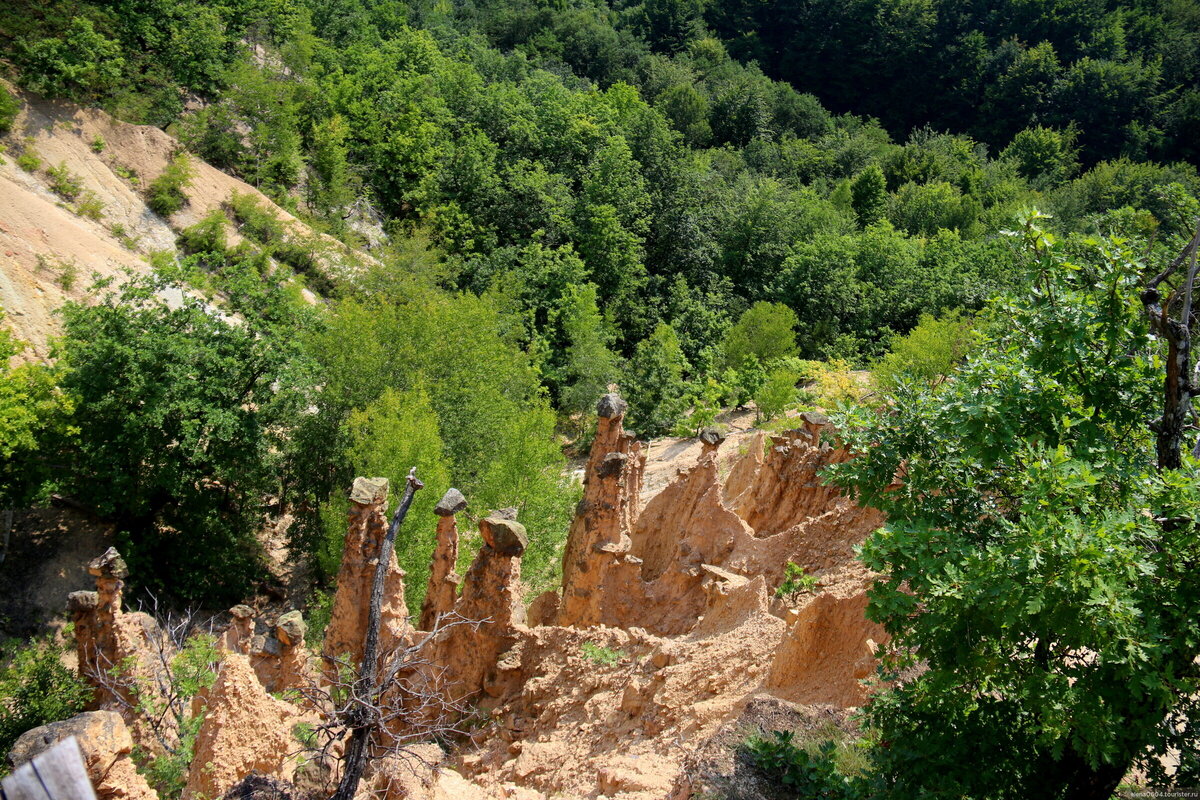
707	204
656	195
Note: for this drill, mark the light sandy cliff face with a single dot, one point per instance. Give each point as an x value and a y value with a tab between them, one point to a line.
49	251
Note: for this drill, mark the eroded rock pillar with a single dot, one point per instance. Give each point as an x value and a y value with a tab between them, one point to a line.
597	559
443	580
344	638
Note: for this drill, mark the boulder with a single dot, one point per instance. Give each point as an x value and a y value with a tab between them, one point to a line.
105	743
451	503
506	537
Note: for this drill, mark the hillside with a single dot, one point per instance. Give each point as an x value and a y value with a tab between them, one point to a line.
708	400
52	249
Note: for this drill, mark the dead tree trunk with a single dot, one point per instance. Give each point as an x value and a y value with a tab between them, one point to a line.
1179	382
365	715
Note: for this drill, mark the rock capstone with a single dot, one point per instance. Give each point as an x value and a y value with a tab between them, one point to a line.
611	405
507	537
451	503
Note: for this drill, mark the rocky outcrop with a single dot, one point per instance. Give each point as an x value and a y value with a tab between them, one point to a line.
488	618
827	653
280	658
683	528
347	628
741	477
599	571
787	488
238	636
606	706
443	580
666	627
115	649
244	729
105	743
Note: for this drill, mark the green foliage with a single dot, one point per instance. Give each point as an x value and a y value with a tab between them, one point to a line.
183	413
165	194
170	693
1030	527
834	384
97	145
590	366
254	221
495	424
35	688
82	64
925	209
603	656
317	614
206	236
63	182
802	774
395	433
706	400
90	206
10	106
67	275
795	583
34	420
29	160
766	331
868	196
929	353
654	384
1045	156
335	186
777	392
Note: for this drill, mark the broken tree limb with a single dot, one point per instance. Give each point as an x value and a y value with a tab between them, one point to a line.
1177	332
365	717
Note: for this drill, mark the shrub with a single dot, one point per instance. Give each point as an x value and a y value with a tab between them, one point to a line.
928	353
35	688
598	654
68	275
317	617
126	173
9	106
81	64
835	384
122	235
256	222
165	698
776	393
165	195
98	145
90	206
803	773
206	236
29	160
795	583
63	182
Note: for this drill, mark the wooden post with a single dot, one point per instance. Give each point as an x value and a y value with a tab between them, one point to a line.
57	774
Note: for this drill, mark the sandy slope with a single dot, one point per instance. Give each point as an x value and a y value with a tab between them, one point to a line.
42	238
